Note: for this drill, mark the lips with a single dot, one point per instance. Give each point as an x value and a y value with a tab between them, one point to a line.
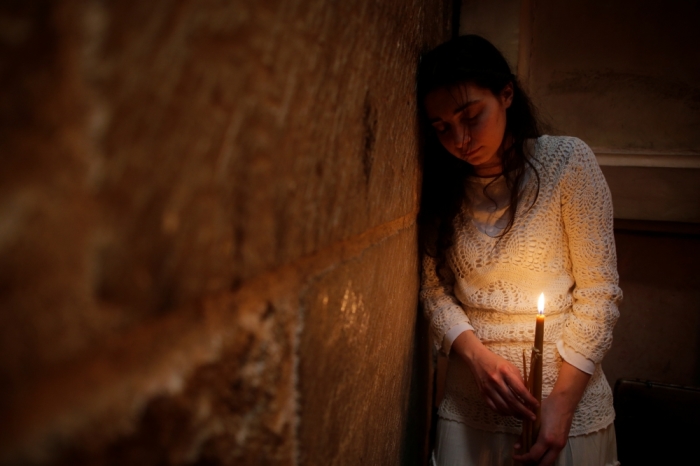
469	153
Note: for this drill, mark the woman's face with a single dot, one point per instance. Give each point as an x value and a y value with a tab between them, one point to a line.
470	122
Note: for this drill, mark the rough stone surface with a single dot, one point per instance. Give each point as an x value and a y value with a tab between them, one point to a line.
178	179
347	308
618	75
237	409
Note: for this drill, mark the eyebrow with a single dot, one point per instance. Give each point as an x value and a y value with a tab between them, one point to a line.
457	110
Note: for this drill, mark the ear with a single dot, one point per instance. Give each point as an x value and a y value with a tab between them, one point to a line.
507	95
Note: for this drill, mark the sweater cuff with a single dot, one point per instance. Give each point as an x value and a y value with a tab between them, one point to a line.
575	358
452	335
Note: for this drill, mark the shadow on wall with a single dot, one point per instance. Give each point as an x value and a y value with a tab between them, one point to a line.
658	334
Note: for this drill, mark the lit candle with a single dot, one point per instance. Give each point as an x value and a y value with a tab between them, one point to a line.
537	362
533	381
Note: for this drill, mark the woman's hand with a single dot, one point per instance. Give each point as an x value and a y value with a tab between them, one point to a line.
500	381
556	416
554	433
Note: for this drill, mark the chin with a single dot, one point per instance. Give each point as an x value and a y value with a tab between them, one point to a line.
472	158
475	160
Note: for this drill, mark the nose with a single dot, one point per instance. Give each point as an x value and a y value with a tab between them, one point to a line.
461	136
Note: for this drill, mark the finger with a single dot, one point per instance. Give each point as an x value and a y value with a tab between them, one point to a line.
491	405
549	458
518	407
498	409
517	450
537	452
493	399
515	406
499	405
516	384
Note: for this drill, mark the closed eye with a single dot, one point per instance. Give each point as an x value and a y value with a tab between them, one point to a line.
441	127
470	119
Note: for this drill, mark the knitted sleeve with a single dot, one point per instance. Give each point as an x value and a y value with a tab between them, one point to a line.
441	307
588	221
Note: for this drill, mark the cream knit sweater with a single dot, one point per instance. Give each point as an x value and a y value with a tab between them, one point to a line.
563	246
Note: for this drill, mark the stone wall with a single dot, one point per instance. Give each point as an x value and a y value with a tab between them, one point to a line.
207	231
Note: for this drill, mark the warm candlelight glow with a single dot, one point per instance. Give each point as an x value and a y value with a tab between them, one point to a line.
533	380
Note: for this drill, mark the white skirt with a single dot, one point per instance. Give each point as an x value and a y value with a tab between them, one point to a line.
457	444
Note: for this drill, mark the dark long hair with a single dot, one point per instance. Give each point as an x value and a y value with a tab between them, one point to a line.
468	59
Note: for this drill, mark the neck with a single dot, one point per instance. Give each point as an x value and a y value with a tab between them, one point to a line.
495	169
488	172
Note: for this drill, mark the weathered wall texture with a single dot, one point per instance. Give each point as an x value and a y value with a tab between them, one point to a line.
620	74
207	231
623	76
497	20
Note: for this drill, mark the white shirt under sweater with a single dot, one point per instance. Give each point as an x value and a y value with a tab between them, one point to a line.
563	246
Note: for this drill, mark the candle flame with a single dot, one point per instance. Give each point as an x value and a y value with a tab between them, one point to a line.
540	304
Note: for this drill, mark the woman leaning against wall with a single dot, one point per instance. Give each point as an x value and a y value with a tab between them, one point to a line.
508	213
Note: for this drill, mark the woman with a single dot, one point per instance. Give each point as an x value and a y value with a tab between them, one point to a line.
507	214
